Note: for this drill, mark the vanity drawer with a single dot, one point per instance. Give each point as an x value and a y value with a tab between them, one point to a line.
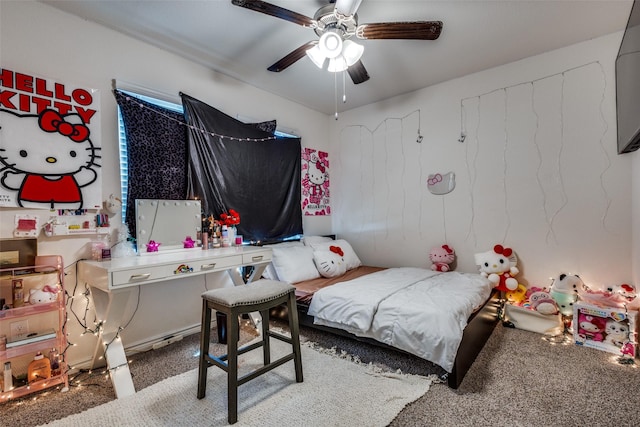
216	264
256	257
138	275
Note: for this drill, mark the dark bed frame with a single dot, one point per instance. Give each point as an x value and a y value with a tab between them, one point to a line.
475	335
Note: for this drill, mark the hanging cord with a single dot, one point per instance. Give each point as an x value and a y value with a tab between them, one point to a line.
335	93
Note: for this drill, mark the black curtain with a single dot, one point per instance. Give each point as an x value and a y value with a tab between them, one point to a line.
156	153
233	165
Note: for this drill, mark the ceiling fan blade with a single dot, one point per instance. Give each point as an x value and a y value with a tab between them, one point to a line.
347	7
293	57
358	73
421	30
277	11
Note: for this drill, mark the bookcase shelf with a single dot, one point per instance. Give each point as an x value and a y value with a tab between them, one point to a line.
46	329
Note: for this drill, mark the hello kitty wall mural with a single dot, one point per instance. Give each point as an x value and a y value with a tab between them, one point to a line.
49	143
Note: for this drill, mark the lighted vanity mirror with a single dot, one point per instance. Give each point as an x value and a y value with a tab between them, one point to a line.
167	222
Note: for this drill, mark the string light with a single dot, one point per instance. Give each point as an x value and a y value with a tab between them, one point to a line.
549	218
372	132
197	129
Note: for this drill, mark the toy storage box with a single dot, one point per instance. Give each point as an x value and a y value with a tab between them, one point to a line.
531	320
615	330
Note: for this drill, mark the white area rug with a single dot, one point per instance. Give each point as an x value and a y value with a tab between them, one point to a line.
335	392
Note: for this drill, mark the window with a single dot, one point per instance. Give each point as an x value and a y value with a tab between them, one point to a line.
122	137
161	157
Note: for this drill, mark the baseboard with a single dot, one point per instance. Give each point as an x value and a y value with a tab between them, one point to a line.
143	345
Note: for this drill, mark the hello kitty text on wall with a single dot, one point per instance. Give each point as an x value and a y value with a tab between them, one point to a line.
49	144
315	182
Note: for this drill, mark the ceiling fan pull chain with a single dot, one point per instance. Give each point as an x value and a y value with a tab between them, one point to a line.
335	92
344	87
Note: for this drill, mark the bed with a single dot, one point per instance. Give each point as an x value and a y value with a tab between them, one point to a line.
445	318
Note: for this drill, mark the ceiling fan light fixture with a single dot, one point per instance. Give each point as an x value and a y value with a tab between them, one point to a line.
330	44
316	56
337	65
352	52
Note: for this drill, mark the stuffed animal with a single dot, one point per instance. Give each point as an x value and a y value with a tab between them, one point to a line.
564	291
591	327
441	257
330	263
44	295
542	302
617	332
626	296
499	266
622	296
518	296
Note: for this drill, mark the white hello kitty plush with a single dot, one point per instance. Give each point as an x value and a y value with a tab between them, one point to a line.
47	158
499	266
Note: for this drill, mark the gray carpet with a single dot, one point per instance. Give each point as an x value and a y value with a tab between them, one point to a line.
518	379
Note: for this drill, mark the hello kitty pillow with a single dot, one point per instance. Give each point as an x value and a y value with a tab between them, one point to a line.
350	258
329	263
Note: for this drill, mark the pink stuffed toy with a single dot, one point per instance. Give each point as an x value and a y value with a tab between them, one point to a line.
441	257
542	302
591	327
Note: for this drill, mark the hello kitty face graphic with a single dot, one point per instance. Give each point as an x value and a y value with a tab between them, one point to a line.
317	172
47	158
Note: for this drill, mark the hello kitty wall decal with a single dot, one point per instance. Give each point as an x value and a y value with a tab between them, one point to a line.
315	182
49	144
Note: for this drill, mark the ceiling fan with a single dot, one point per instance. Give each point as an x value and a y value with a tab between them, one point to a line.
335	25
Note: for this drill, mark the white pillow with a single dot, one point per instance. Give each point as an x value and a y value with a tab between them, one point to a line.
329	264
314	240
294	263
349	255
270	271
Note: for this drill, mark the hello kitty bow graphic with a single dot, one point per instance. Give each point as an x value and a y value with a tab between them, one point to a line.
47	158
52	121
336	250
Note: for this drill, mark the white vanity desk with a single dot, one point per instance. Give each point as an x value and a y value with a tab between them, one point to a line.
113	286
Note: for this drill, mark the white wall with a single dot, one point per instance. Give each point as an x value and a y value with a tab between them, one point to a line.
42	41
537	172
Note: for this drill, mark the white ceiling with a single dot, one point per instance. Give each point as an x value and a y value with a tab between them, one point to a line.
476	35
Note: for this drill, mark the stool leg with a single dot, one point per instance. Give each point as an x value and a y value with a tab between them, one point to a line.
295	335
205	335
221	321
232	366
266	349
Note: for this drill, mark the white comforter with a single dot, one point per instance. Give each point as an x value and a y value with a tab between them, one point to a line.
420	311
